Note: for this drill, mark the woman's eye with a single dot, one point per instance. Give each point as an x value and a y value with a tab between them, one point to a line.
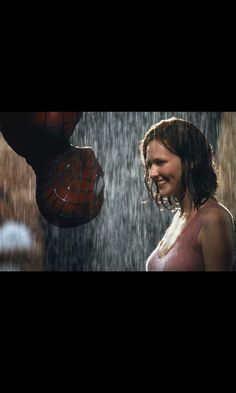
160	162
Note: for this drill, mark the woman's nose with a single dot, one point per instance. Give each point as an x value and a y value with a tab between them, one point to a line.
154	171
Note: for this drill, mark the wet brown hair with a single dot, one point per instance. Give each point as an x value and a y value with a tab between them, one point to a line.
185	140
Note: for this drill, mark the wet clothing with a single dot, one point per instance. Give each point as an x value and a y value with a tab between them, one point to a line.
185	254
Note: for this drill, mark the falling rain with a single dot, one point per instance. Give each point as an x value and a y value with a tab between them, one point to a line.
129	225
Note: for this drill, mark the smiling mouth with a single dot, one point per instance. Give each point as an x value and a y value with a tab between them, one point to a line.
161	183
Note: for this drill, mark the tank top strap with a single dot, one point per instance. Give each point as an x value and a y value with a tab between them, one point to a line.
196	223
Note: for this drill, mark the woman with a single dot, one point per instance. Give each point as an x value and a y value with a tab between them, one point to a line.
180	175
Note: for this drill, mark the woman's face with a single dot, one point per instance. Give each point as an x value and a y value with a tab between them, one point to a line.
165	169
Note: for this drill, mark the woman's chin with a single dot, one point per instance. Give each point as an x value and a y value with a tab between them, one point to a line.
165	193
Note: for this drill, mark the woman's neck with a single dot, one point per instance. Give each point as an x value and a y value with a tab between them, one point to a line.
186	204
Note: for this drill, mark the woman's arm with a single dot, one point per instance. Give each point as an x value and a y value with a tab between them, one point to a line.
217	241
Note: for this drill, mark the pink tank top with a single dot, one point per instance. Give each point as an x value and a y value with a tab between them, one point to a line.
185	254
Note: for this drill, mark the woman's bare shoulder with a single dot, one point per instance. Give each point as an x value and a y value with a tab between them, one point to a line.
217	239
218	214
218	218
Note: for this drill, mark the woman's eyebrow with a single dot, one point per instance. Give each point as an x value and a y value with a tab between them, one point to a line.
159	159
